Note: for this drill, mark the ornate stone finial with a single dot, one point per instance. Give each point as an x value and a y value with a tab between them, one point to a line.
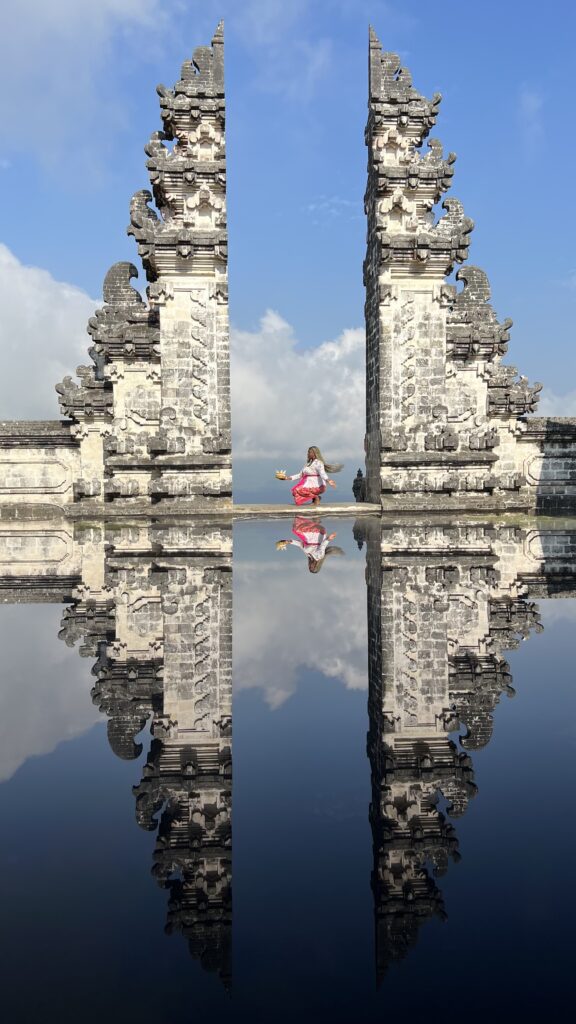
117	290
472	327
373	38
392	97
201	77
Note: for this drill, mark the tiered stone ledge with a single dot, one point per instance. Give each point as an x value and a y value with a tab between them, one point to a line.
126	512
37	434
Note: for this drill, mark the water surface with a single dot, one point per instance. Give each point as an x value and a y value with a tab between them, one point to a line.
83	918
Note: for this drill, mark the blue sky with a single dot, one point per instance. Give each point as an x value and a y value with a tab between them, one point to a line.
78	103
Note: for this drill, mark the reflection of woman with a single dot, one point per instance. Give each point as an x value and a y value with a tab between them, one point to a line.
313	539
312	478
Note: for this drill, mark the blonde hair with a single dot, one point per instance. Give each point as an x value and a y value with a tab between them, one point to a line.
330	467
315	564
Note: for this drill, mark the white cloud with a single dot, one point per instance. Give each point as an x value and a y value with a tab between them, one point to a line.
551	404
42	337
332	207
45	690
65	63
287	60
314	60
530	113
282	397
290	57
385	17
293	71
287	619
557	609
267	22
58	64
69	63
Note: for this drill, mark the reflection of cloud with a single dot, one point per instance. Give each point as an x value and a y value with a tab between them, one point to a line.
45	688
556	610
286	619
282	397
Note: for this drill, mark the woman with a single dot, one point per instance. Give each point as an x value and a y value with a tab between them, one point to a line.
313	539
312	478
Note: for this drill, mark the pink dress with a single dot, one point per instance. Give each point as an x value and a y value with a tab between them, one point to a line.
312	537
312	481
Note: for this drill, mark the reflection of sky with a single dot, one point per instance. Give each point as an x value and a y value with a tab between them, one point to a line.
512	899
286	619
303	858
82	914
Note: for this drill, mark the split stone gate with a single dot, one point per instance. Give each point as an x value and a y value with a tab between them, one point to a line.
146	428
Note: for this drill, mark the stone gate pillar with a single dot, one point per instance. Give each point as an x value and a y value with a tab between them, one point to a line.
185	256
151	417
446	421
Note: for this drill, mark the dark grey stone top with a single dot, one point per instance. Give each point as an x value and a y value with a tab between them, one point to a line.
472	329
201	85
559	429
36	434
392	96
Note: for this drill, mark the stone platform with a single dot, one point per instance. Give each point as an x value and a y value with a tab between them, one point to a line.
182	510
337	508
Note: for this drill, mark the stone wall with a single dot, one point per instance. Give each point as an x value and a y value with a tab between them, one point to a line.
39	463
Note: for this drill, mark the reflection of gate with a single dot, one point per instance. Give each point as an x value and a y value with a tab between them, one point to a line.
152	605
445	600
